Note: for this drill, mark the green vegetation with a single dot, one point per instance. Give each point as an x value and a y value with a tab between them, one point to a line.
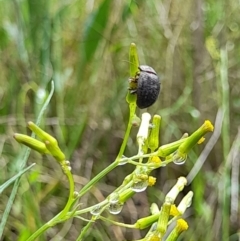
83	47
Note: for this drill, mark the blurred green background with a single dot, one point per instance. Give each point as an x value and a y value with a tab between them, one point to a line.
83	46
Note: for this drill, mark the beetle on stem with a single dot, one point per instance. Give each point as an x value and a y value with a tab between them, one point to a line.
146	85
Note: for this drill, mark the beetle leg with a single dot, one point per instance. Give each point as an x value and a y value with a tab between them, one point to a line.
132	91
133	80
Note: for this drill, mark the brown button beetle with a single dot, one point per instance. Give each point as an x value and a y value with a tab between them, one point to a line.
147	86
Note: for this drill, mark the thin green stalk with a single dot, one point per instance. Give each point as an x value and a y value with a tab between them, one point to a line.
88	209
40	231
63	215
59	217
71	198
12	179
83	232
132	107
118	223
116	162
98	177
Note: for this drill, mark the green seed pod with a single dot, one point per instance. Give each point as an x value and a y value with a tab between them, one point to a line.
153	139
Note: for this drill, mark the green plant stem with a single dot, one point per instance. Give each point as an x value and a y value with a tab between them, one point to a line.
71	198
62	215
98	177
83	232
118	223
75	213
132	107
119	156
40	231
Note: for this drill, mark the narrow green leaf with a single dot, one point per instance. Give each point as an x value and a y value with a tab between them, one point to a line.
94	31
12	179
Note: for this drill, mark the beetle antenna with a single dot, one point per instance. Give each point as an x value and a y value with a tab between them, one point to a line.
127	61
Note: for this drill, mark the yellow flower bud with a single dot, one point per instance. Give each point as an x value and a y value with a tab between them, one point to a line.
192	140
49	141
44	136
55	151
196	138
145	222
155	159
163	218
174	211
151	181
179	228
166	150
31	142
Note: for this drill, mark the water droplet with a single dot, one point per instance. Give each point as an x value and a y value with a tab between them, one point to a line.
141	173
75	194
41	95
179	160
115	208
140	186
114	197
96	210
67	163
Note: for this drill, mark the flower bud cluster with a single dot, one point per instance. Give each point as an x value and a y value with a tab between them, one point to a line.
160	220
47	145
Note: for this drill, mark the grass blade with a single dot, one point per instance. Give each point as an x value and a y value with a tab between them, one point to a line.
12	179
94	31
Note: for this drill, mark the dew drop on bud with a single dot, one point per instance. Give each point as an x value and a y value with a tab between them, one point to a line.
179	160
96	210
75	194
67	163
140	186
115	208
